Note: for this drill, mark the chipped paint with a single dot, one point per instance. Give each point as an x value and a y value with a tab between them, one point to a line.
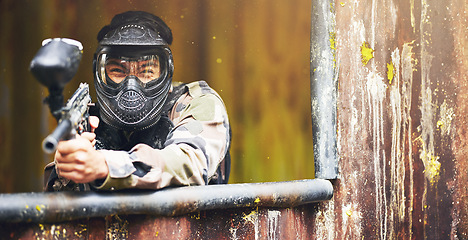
325	227
428	123
273	225
399	97
376	91
407	69
233	232
446	114
427	107
367	53
413	21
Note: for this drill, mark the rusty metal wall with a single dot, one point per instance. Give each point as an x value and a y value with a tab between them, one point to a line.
402	121
234	211
245	223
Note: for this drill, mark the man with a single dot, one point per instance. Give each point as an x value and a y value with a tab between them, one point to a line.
152	133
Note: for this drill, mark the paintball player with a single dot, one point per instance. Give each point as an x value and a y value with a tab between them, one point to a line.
147	132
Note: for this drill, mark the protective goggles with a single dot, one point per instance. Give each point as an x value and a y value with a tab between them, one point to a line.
113	70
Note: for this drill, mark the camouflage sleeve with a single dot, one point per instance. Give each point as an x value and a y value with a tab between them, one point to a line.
192	153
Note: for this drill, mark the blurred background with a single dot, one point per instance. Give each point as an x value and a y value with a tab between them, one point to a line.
254	53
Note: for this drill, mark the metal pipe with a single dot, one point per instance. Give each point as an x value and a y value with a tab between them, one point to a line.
64	206
323	89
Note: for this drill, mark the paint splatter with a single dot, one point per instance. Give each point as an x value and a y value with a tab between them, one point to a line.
390	72
252	217
333	41
40	207
367	53
333	47
431	166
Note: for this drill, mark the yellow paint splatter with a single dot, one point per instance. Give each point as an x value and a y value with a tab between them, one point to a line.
431	166
38	207
196	216
434	168
440	124
219	60
349	212
257	200
251	217
367	53
79	233
342	4
332	41
390	72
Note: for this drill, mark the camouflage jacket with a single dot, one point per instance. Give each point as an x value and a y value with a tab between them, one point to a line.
189	146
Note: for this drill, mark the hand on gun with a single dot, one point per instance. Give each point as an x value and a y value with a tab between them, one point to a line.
78	160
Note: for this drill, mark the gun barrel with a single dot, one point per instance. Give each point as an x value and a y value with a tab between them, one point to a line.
49	145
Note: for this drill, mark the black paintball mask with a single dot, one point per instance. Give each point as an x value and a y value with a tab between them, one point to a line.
133	74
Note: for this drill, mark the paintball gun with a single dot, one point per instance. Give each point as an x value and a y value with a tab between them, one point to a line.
54	66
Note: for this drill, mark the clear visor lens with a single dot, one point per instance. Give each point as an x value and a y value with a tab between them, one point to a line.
146	68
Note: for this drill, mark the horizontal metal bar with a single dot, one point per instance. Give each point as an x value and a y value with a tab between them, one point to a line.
63	206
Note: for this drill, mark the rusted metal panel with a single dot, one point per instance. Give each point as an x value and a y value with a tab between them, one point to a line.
249	211
401	121
243	223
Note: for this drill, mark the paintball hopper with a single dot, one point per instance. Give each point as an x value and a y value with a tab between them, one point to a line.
56	62
54	66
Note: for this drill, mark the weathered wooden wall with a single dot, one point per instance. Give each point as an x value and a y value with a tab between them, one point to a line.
402	121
